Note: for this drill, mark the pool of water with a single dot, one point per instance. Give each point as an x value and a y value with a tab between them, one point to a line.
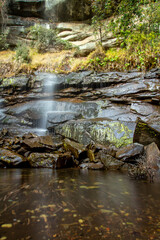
73	204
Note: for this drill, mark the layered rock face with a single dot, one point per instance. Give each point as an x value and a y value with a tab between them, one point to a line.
57	10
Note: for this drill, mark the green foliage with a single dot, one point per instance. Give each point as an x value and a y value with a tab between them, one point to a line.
63	44
100	8
3	40
42	38
137	22
143	16
22	53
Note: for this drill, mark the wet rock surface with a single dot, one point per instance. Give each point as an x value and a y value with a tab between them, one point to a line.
11	159
92	119
130	151
152	156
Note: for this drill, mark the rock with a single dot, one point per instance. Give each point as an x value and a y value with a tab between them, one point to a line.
16	84
54	118
39	142
26	8
65	160
143	108
49	160
62	10
101	131
131	151
67	10
152	156
11	159
145	134
88	47
90	155
93	166
108	150
77	149
109	162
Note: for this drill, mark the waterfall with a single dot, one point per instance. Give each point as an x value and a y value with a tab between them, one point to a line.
48	106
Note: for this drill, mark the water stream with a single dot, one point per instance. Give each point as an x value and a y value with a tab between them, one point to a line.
74	204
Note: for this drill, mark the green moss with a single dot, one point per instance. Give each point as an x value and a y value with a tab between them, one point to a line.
103	132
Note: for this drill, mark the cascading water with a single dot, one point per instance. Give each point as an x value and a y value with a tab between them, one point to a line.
47	106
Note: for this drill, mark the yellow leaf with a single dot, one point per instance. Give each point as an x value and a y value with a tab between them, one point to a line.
66	210
80	221
6	225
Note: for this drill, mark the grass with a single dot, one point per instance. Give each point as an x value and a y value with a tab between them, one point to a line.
115	59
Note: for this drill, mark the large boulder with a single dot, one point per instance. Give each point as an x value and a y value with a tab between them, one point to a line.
145	134
100	131
11	159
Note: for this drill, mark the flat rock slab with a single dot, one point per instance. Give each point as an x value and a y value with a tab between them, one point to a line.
39	142
130	151
92	166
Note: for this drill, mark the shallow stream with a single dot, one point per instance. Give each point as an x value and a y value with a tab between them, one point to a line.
73	204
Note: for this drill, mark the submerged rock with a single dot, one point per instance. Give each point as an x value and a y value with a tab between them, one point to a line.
92	166
11	159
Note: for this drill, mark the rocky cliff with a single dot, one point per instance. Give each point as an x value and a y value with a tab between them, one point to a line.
55	10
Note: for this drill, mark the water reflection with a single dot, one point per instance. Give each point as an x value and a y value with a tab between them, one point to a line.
77	204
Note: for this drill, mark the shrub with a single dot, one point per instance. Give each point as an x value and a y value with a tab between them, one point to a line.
142	172
42	38
22	53
3	40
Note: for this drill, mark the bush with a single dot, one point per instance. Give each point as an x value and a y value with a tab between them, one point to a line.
3	40
22	53
42	38
142	172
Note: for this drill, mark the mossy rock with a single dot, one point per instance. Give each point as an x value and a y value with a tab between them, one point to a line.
145	134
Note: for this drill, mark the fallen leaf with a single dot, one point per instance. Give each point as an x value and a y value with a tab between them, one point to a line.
106	211
80	221
6	225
